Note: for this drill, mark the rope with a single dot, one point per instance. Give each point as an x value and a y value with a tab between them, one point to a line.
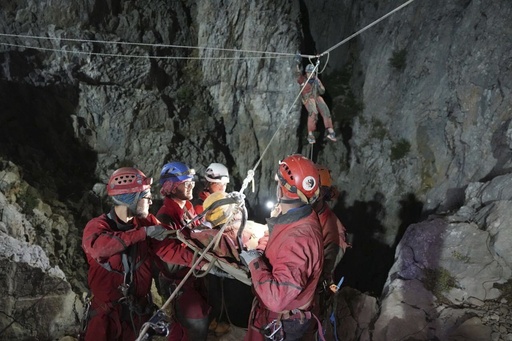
215	239
272	54
250	172
104	54
141	44
365	28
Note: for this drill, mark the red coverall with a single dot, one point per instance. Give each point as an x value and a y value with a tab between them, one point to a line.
314	103
104	241
198	204
333	233
335	246
191	307
286	276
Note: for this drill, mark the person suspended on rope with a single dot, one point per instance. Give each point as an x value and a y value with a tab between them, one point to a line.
216	179
286	275
311	96
119	247
177	182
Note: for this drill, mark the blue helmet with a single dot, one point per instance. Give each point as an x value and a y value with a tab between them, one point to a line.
176	172
310	68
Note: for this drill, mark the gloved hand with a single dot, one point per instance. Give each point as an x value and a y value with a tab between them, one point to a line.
298	58
157	232
216	271
247	257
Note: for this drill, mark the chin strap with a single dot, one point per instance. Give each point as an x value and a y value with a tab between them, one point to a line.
289	201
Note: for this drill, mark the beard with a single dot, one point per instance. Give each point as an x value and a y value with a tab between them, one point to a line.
142	210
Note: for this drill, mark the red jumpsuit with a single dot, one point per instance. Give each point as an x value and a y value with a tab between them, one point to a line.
191	307
314	103
198	204
104	242
335	243
286	276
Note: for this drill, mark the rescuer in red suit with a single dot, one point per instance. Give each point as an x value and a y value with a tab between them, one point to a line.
120	247
286	275
191	307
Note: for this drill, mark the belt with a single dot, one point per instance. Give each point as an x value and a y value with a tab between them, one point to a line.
295	314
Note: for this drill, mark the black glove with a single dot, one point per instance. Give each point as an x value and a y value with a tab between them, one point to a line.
157	232
216	271
298	58
247	257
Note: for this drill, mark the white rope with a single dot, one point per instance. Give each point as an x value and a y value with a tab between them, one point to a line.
192	269
250	172
365	28
105	42
104	54
273	54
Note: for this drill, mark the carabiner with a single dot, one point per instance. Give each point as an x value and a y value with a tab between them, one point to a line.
274	331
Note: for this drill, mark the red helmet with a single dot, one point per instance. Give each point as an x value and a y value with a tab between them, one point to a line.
128	180
298	178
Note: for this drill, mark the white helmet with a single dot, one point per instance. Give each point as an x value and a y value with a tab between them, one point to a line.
217	172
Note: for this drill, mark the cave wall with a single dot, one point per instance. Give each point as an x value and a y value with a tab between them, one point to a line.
421	103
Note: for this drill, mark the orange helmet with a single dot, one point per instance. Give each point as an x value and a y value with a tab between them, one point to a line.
298	178
325	176
328	191
128	180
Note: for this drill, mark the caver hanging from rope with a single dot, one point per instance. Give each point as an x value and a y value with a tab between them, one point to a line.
311	95
286	275
119	247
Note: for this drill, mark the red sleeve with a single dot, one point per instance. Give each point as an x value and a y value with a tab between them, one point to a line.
101	242
199	209
280	284
172	251
262	243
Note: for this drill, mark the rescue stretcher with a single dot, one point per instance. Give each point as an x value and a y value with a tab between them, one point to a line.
224	254
213	246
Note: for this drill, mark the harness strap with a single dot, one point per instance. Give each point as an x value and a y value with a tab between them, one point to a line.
275	326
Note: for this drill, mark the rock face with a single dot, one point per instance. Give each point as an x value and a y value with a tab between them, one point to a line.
421	103
452	276
36	297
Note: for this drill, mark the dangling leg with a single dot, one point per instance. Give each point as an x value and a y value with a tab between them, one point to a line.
312	119
326	115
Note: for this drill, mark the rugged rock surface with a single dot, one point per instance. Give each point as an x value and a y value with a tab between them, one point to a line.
421	102
36	298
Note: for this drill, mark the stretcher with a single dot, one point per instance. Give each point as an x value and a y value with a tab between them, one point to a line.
224	254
